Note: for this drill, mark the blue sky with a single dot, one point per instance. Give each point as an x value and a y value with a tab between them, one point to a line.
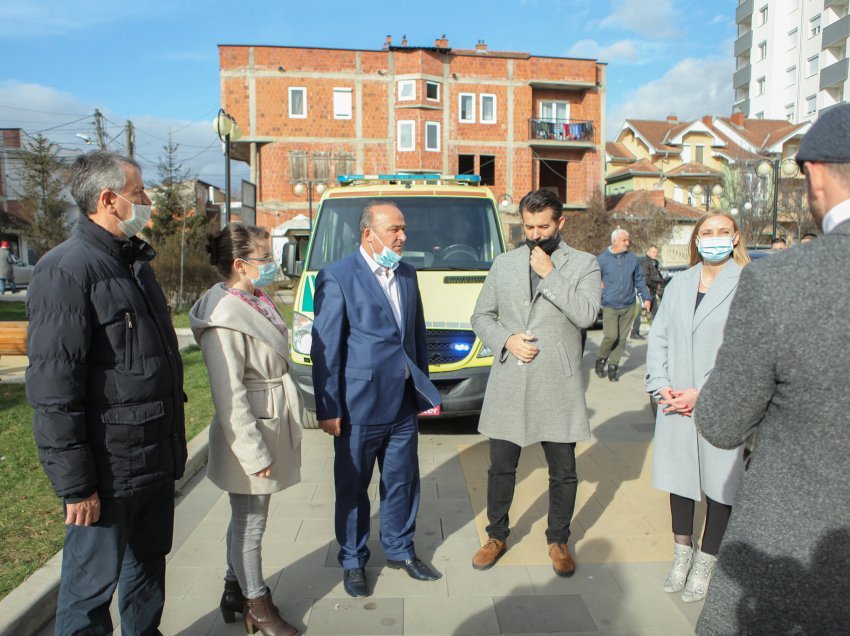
156	61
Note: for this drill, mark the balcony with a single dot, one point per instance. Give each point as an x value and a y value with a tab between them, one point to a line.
744	43
742	76
744	11
836	32
742	106
834	74
571	133
834	3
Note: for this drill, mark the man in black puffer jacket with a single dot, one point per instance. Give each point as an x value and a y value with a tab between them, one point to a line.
106	382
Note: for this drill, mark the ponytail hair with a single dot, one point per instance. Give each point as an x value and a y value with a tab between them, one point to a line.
233	241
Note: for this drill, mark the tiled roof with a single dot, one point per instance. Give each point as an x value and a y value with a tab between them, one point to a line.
760	132
639	202
488	53
692	169
655	132
642	167
618	151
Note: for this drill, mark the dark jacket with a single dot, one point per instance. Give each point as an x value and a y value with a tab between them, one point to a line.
652	274
621	275
105	376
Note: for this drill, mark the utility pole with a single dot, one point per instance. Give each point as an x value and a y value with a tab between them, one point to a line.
130	135
98	126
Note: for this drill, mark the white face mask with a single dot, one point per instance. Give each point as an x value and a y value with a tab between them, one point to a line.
141	214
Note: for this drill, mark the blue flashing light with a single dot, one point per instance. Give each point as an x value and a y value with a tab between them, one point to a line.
461	347
346	179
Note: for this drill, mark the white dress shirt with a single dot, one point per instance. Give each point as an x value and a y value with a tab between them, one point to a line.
836	215
389	284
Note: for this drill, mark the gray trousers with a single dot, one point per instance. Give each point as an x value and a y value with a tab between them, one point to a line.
616	324
244	542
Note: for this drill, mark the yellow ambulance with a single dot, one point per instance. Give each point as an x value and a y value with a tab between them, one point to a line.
453	235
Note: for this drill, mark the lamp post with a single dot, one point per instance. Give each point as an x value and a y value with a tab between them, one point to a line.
227	130
307	186
716	190
777	167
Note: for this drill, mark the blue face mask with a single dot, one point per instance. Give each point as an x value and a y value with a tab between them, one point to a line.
267	271
387	258
715	248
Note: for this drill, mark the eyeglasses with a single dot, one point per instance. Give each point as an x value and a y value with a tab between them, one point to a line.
264	259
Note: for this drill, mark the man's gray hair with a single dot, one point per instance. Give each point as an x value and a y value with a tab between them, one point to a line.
95	172
618	232
366	215
841	171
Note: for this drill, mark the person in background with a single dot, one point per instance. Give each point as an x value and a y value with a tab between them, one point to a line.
622	277
654	282
808	237
105	380
534	303
7	269
782	373
255	433
777	244
683	343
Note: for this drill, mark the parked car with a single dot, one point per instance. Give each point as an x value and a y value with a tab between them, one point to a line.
23	273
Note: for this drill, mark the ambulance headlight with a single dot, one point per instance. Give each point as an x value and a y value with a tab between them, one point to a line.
302	334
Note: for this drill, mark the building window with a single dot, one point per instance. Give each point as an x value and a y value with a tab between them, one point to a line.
763	15
432	91
763	50
793	38
812	66
297	165
760	82
406	90
344	163
487	169
297	102
811	104
791	76
814	26
466	108
488	109
466	164
432	136
555	111
342	103
699	154
789	112
406	135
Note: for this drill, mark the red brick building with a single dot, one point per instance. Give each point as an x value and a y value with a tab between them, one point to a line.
520	121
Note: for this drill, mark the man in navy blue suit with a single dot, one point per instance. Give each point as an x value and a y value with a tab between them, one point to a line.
370	374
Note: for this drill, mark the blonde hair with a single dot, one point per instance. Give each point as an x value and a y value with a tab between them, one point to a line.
739	253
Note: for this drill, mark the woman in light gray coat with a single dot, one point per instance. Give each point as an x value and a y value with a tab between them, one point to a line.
255	434
683	343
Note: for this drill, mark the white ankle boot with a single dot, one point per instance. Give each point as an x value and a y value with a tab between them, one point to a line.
682	560
699	578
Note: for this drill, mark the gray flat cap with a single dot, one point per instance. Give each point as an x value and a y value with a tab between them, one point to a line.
828	140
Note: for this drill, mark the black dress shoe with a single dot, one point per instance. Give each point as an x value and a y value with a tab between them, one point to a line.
600	367
415	569
613	373
637	336
354	582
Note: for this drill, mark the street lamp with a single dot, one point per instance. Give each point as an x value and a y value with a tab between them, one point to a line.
697	191
307	186
227	130
787	167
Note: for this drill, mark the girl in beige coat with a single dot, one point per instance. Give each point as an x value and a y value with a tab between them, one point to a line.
255	435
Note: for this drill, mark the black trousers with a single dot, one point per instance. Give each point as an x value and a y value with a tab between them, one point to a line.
716	519
501	482
126	549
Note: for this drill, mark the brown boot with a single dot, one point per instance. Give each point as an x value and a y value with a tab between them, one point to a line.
562	560
232	601
261	614
487	556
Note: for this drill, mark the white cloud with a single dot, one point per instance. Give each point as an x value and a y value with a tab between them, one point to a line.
626	51
691	89
656	18
61	116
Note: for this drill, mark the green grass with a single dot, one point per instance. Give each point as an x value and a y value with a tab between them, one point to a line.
13	311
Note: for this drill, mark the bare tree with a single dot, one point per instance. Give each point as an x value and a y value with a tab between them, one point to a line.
794	206
752	196
590	231
41	196
647	223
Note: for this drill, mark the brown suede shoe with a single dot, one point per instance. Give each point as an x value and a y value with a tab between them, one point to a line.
487	556
562	560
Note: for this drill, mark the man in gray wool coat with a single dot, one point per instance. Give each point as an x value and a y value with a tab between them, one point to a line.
534	303
782	372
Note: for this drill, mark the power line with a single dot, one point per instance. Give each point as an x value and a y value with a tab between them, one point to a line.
33	110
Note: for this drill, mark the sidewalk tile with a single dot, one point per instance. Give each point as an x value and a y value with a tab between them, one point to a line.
634	611
397	584
500	580
529	614
354	617
592	578
427	616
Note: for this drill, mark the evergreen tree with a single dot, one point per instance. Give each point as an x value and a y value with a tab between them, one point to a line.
41	195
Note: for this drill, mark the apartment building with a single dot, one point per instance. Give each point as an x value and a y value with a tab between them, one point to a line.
311	114
790	58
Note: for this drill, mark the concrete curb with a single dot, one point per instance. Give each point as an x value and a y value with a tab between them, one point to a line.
32	605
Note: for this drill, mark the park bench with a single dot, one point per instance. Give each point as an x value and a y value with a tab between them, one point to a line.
13	338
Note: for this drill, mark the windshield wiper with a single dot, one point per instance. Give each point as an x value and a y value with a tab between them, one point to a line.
452	268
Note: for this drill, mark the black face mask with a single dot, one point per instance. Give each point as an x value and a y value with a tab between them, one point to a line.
548	245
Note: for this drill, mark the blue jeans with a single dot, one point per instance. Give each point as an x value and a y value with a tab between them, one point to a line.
395	447
126	549
7	283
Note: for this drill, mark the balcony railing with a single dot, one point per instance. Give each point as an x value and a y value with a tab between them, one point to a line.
742	76
744	11
568	130
744	43
836	32
834	74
